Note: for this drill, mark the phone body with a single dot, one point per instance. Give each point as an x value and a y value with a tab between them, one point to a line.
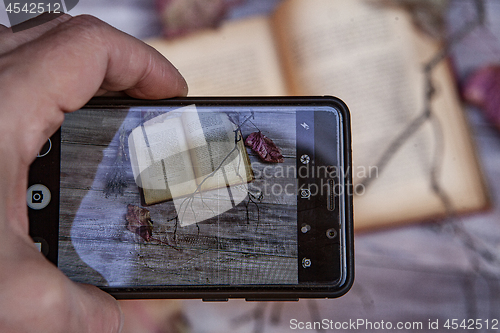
210	198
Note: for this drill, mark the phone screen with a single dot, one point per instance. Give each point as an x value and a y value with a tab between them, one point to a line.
200	195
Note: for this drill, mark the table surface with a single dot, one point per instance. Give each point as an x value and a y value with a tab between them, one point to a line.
253	243
436	270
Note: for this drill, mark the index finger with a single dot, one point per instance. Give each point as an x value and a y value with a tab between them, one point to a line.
90	54
41	24
62	69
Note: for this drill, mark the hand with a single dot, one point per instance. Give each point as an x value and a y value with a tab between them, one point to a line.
46	71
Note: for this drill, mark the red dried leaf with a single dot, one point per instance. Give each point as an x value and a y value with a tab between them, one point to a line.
180	17
139	222
264	147
482	89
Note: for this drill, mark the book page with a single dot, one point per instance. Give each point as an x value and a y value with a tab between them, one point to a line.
368	56
217	159
237	59
160	160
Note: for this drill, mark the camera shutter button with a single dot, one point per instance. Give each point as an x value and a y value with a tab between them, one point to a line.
38	196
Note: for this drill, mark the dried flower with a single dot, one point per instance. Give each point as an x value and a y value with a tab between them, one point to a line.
180	17
139	222
482	89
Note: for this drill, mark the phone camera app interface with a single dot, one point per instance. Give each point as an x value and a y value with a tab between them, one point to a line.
196	195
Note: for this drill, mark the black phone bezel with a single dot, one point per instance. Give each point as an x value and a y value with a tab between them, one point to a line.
224	292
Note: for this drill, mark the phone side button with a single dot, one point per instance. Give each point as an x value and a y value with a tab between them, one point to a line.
215	299
271	299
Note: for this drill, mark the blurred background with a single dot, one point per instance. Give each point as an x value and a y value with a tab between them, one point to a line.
431	269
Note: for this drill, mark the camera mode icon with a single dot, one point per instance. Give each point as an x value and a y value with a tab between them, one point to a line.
306	263
38	196
305	193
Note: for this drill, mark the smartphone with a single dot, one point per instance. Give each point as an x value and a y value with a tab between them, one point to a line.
210	198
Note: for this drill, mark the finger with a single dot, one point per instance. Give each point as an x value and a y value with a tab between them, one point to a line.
158	315
40	298
40	25
64	68
100	311
84	54
125	63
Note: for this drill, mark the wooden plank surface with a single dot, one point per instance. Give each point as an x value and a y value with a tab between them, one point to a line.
251	243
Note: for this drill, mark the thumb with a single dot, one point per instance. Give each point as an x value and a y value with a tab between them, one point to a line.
100	311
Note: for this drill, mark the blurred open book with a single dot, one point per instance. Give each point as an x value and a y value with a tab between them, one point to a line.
373	59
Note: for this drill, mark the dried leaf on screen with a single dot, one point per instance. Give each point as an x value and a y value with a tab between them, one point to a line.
139	222
264	147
